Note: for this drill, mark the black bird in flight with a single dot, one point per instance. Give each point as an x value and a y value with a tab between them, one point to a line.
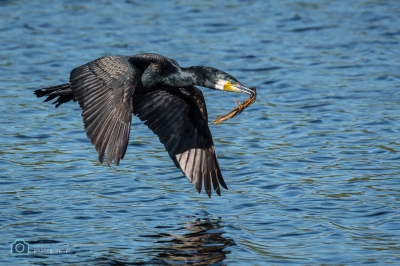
161	93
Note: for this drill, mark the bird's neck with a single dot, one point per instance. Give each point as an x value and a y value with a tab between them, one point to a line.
197	75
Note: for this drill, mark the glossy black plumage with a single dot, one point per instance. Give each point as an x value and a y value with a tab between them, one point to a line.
104	88
183	131
161	94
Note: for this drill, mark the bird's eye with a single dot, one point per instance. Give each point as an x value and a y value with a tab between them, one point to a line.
232	81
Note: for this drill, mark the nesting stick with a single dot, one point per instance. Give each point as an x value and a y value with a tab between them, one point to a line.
239	108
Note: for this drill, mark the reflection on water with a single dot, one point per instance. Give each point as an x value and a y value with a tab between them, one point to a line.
198	242
204	244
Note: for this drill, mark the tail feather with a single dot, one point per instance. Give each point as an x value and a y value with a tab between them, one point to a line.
62	91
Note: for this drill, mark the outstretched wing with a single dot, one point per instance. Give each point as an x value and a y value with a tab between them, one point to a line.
103	89
178	116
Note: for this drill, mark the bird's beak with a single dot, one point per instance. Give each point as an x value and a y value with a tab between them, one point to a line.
237	88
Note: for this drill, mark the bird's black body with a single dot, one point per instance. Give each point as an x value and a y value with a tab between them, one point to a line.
158	91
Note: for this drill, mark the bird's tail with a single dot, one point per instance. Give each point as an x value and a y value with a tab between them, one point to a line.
62	91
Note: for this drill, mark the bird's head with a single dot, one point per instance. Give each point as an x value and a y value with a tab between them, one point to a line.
210	77
226	82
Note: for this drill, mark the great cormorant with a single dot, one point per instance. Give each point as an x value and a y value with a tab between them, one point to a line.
161	93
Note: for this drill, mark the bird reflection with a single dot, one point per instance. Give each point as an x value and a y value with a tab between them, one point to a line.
203	245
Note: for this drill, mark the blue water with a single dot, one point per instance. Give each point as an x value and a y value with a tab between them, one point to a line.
312	167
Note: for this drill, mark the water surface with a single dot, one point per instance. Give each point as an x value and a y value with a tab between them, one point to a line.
312	167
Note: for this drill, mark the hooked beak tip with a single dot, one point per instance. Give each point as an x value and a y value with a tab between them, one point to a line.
245	90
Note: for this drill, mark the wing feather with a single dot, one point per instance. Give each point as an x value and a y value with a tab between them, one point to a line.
178	117
104	88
